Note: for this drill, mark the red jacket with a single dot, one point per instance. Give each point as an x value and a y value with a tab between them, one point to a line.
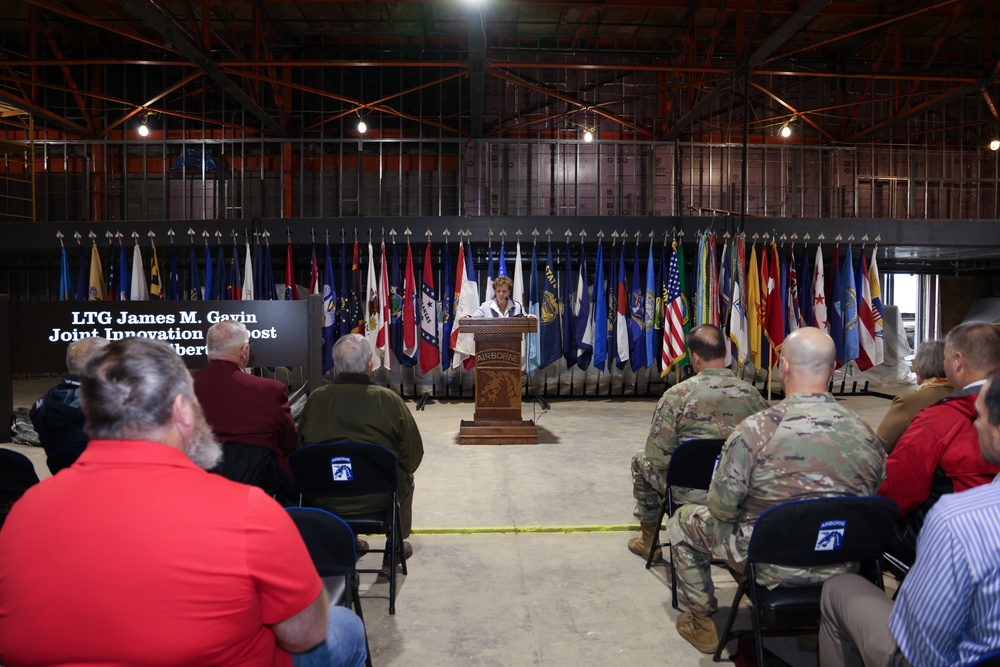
248	409
941	439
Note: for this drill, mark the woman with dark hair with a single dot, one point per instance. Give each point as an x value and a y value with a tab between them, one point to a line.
929	367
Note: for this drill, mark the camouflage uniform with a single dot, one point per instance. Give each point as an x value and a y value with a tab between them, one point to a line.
708	405
805	447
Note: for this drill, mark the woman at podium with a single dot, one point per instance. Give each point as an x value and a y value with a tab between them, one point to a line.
501	305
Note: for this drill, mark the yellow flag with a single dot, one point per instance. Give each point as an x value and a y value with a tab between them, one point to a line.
155	291
755	313
96	292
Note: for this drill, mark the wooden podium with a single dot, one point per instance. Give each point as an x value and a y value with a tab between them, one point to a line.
497	420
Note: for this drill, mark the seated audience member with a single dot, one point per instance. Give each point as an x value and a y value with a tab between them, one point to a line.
57	416
939	452
241	407
352	408
708	405
807	446
947	609
136	555
933	386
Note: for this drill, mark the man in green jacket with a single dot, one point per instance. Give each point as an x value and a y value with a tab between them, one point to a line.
354	409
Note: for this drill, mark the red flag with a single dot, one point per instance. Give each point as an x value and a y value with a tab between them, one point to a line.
382	339
430	355
356	316
775	329
866	318
291	291
409	306
314	287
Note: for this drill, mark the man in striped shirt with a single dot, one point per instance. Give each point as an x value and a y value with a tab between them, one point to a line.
948	607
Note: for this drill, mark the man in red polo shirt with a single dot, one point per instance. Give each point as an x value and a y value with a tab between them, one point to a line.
136	555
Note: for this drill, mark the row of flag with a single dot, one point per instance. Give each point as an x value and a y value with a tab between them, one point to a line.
610	319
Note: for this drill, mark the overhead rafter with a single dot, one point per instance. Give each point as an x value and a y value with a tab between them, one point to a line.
195	55
779	37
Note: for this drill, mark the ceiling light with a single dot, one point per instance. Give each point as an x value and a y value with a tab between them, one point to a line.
588	136
786	131
143	130
362	127
995	145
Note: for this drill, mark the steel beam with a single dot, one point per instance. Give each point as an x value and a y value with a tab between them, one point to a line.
477	71
192	53
779	37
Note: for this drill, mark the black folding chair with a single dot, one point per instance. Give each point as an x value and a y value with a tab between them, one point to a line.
251	464
691	466
991	660
330	542
17	475
808	533
351	469
63	458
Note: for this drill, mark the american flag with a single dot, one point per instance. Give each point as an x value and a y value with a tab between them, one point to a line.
673	328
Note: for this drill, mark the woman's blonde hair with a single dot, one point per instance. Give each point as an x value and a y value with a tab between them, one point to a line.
503	281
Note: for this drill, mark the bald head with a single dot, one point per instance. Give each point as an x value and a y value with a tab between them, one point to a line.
808	357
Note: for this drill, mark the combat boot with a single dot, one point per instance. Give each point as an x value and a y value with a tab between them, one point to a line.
699	631
640	545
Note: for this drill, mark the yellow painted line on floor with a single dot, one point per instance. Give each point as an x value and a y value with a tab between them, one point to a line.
620	528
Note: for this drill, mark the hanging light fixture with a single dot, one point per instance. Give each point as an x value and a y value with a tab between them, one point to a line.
362	126
144	129
588	135
995	144
785	130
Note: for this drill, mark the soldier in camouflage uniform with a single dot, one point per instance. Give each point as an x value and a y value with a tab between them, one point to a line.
807	446
708	405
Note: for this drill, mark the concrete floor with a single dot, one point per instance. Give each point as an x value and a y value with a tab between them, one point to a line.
519	550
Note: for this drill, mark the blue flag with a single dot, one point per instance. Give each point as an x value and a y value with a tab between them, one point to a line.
66	291
82	278
503	262
344	298
649	310
783	283
805	290
568	301
549	335
329	311
447	309
583	333
219	276
849	295
659	322
490	274
835	298
636	316
534	352
194	282
612	302
112	288
623	338
396	308
124	284
268	291
209	293
234	286
600	301
258	271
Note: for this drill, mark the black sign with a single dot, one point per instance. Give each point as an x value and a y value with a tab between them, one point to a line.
41	330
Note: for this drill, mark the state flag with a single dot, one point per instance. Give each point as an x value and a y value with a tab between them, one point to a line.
430	353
